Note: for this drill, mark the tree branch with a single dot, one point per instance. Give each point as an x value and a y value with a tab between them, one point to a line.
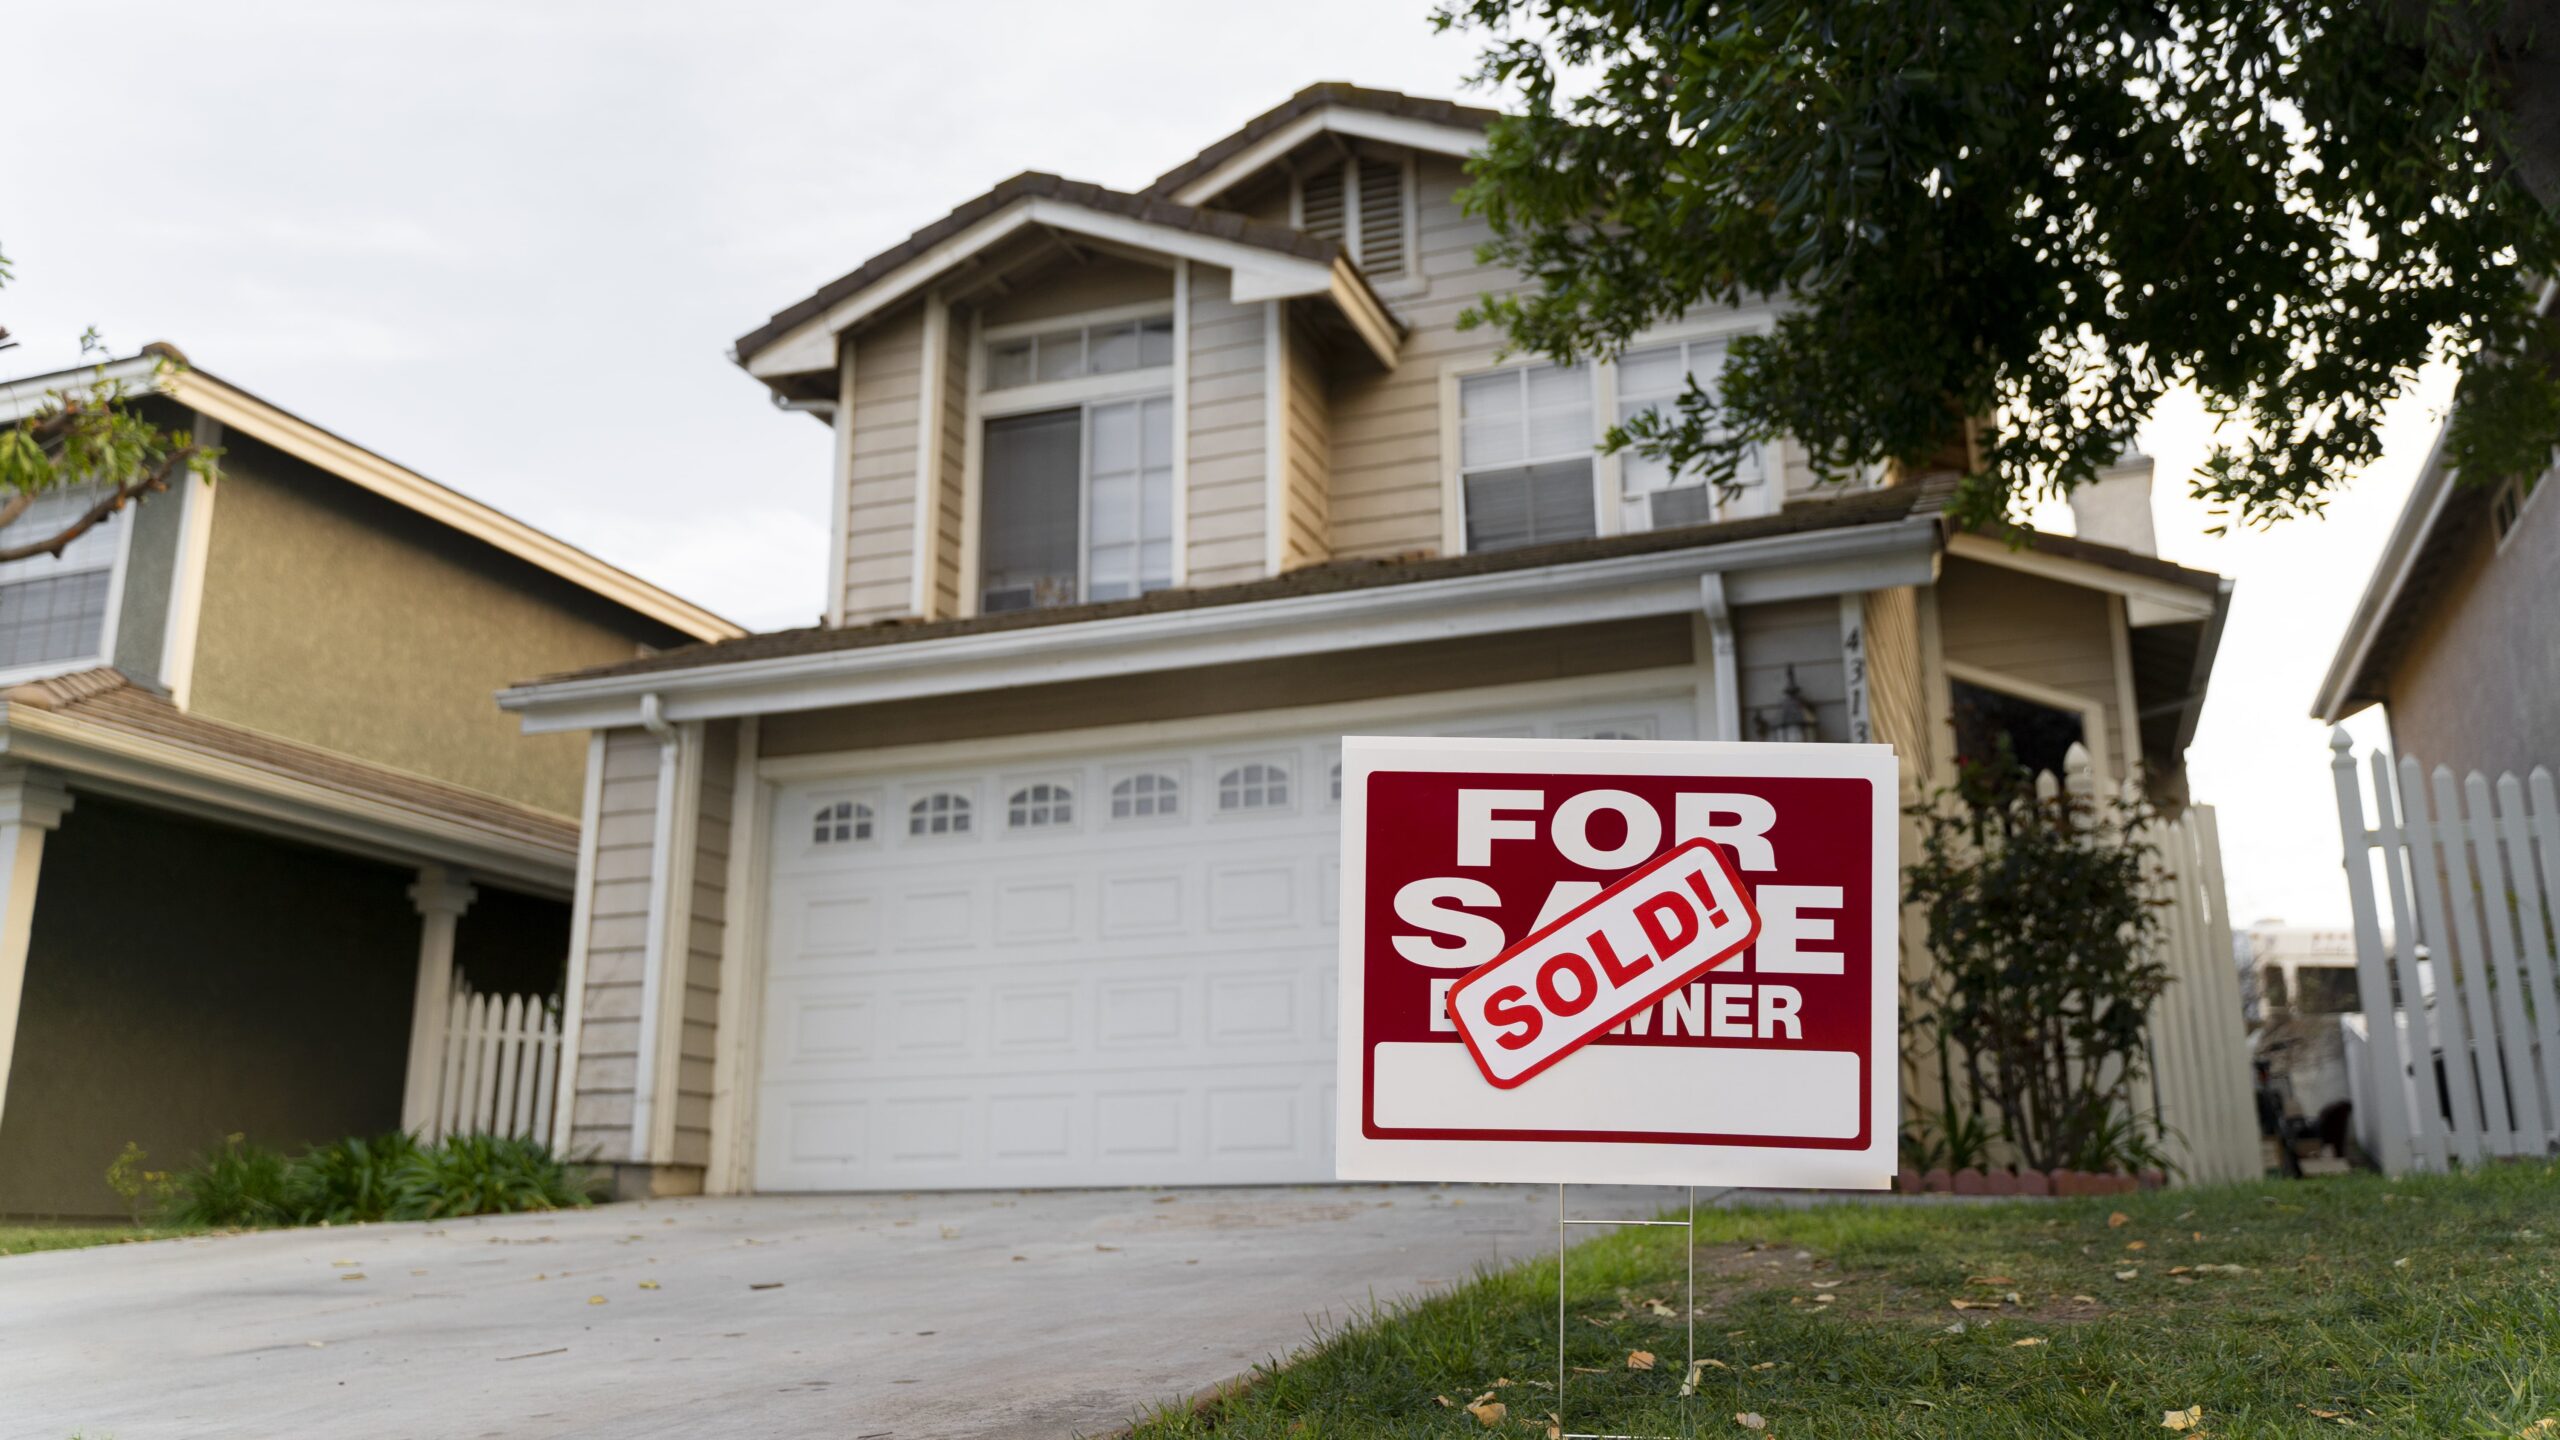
153	481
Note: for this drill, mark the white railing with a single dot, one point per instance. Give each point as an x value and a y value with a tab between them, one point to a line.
2470	872
501	1060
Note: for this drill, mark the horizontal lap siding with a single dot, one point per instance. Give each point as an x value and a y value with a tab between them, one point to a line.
2041	631
710	909
880	495
1308	538
1804	634
1228	417
952	482
1896	702
617	941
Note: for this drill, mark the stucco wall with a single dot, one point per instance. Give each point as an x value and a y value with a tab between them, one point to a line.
2477	684
336	617
165	1003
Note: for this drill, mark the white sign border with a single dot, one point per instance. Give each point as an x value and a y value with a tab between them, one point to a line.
1580	1162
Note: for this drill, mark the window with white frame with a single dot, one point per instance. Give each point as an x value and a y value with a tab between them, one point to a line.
1077	505
1525	450
843	822
2507	506
1149	796
941	813
1366	203
54	608
1255	786
1076	352
1038	807
1654	378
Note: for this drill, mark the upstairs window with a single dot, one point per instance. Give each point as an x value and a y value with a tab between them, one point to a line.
1078	505
1364	202
1525	449
2507	506
1077	352
53	608
1654	499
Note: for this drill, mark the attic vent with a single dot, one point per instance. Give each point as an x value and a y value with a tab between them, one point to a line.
1361	203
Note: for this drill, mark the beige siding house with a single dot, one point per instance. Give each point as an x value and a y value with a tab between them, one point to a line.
1019	870
262	823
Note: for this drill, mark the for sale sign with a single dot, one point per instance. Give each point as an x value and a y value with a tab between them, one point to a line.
1618	961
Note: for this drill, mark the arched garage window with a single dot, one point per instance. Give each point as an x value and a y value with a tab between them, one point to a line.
1253	787
941	813
1035	807
1146	797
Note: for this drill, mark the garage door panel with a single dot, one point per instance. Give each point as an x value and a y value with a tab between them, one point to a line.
1129	997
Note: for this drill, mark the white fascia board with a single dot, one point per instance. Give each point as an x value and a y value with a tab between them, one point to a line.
22	398
1780	567
2418	517
1260	274
174	777
2152	601
1454	140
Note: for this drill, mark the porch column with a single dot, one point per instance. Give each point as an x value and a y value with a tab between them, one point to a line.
441	897
32	802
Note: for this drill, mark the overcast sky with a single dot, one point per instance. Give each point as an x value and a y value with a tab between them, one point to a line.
508	245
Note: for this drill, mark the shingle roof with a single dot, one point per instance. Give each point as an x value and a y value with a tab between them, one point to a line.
1317	97
1864	508
108	700
1033	183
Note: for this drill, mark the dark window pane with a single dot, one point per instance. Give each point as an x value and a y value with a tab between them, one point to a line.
1529	505
2040	734
1027	540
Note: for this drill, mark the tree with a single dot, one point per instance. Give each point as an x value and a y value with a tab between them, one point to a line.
92	437
1999	231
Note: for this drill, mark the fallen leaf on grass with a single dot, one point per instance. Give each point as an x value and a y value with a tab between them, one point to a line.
1766	1365
1991	1280
1963	1304
2118	1220
2128	1274
1639	1359
2022	1344
2136	1245
2186	1419
1489	1413
2544	1426
1445	1402
1750	1420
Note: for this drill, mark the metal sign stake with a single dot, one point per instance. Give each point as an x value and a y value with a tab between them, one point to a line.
1688	1316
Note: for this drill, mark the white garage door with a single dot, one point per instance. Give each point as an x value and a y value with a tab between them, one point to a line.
1097	968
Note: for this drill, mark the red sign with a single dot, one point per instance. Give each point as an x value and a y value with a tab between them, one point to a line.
1619	952
1758	1052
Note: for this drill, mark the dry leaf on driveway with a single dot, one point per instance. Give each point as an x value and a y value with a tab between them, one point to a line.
2186	1419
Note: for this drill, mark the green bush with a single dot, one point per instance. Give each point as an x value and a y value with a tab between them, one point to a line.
387	1177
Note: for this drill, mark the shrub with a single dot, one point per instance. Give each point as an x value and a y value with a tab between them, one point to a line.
236	1184
482	1175
348	1181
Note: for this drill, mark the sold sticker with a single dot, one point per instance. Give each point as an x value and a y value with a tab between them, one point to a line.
1680	915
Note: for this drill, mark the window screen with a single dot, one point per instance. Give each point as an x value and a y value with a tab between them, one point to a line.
1525	450
54	609
1656	379
1027	541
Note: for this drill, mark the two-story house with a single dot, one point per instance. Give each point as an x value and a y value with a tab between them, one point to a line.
258	822
1020	870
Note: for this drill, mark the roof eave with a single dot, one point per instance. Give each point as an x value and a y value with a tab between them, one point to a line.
2342	689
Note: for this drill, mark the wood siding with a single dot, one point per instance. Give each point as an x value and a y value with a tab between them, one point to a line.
951	462
1306	533
1228	411
1897	702
1804	634
2045	632
880	490
708	914
617	944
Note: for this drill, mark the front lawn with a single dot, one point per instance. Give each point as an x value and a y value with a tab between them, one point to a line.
26	1239
2410	1307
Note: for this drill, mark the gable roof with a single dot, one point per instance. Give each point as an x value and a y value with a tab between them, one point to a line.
1035	197
234	408
1424	116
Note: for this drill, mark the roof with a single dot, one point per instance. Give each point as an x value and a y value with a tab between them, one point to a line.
1319	96
1033	184
103	709
2422	551
1864	508
237	409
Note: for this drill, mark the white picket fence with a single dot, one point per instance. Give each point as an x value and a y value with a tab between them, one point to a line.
501	1062
2471	873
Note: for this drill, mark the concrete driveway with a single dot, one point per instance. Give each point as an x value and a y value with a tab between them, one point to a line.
865	1317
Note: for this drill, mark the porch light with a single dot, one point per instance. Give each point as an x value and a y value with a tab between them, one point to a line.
1792	719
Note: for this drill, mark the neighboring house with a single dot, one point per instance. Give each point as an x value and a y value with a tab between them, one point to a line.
1021	869
2458	634
249	779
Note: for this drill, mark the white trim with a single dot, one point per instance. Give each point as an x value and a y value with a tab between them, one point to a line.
1231	731
1757	571
1275	436
840	536
653	940
1456	140
2391	571
739	1041
2149	601
1078	320
117	567
932	383
1084	390
441	898
2092	712
1723	659
2120	634
972	461
573	982
1181	423
238	410
1453	376
1608	467
186	575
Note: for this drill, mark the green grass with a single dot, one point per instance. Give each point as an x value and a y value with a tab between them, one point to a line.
26	1239
2412	1307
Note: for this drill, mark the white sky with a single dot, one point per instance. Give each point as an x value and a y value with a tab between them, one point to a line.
509	244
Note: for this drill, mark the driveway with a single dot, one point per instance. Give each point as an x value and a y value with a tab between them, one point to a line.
855	1317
